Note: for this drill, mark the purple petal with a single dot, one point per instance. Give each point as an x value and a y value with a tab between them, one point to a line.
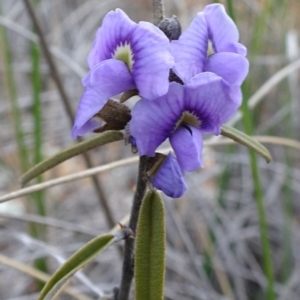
152	60
190	51
116	29
148	47
187	144
87	108
212	100
237	48
235	94
222	30
169	178
153	121
107	79
232	67
89	126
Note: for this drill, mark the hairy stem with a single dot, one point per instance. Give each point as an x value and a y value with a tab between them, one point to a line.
128	263
158	11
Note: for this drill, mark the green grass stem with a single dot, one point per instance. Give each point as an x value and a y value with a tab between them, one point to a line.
37	119
230	9
287	223
12	97
256	43
38	231
266	248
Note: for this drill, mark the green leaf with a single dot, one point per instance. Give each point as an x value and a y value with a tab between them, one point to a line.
150	249
77	261
100	140
247	141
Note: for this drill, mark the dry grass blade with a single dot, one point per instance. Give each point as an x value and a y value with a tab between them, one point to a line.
67	105
64	179
274	140
127	161
38	275
266	88
56	52
55	223
61	224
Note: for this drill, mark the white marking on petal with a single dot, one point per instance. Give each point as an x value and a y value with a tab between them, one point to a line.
188	118
124	53
210	48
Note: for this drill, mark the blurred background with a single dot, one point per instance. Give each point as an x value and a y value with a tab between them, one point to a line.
214	249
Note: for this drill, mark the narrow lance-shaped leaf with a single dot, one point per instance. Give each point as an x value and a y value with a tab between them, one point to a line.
47	164
78	260
150	249
247	141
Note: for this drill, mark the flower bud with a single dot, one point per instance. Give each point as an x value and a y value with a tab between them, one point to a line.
171	28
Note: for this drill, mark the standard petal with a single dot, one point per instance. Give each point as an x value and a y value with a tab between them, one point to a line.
116	29
153	121
88	106
152	60
190	50
222	30
232	67
107	79
169	178
212	100
187	144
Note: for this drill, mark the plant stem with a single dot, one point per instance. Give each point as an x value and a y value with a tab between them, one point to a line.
128	263
158	11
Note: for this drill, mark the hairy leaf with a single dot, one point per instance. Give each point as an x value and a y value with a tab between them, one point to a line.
150	249
77	261
47	164
247	141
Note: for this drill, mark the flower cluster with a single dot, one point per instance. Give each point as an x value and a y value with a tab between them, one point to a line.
208	66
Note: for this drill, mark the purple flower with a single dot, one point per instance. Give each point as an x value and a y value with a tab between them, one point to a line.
204	104
228	58
125	56
169	178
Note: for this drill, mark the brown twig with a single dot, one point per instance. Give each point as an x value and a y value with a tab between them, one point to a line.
128	263
158	11
66	102
44	277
